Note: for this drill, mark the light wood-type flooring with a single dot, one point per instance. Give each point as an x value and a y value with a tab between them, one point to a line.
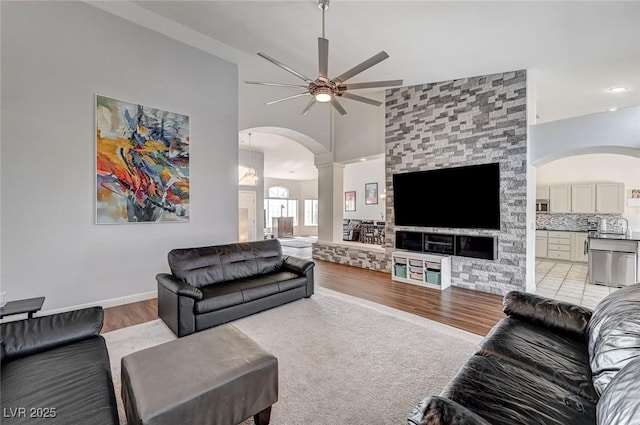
469	310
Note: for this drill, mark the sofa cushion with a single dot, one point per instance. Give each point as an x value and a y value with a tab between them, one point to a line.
560	316
439	410
503	393
214	264
614	334
228	294
619	403
75	379
556	356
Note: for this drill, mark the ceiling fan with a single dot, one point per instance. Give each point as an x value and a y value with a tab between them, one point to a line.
322	89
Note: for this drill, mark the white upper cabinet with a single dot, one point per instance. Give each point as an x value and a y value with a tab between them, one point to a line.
542	192
610	198
583	198
560	198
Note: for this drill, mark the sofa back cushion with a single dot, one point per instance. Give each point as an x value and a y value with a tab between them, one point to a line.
220	263
614	335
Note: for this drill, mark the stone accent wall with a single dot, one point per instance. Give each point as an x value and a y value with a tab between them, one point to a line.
352	255
466	122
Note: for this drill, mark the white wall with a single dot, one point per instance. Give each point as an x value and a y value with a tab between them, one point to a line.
359	133
595	133
596	168
356	175
55	57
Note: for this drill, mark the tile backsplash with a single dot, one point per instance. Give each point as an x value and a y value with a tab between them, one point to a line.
575	222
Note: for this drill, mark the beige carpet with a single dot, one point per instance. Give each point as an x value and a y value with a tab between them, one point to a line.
341	360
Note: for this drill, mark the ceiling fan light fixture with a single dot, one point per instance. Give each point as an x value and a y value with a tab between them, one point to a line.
323	97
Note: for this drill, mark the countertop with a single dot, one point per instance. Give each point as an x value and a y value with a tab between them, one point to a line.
635	236
546	229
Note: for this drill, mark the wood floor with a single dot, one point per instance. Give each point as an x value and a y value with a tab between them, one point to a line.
472	311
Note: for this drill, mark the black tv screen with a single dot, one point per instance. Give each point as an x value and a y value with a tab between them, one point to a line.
461	197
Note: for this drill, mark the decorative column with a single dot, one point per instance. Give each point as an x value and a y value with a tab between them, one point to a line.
330	202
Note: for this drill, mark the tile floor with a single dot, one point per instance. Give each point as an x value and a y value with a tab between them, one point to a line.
568	282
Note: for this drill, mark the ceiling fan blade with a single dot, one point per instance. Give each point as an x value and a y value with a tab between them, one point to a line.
373	60
283	66
361	99
338	106
371	84
323	56
260	83
287	98
309	105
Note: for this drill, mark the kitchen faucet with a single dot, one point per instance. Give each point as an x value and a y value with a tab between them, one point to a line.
626	226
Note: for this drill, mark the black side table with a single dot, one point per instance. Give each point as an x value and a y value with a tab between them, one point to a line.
29	306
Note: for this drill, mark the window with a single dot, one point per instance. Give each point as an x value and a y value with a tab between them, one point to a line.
280	208
278	192
310	212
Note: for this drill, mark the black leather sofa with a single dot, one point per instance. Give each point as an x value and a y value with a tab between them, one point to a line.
55	370
212	285
548	363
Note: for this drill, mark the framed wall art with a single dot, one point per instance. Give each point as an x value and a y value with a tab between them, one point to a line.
371	193
142	163
350	201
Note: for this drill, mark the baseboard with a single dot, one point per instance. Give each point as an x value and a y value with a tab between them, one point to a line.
111	302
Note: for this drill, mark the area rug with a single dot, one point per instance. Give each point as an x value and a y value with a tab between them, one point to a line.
342	360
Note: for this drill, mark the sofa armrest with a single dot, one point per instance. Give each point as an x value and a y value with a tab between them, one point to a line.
178	287
298	265
561	316
436	410
25	337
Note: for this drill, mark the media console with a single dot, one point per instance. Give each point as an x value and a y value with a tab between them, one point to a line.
484	247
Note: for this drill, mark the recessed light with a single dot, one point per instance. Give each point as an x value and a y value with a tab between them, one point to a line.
363	159
612	109
291	172
618	89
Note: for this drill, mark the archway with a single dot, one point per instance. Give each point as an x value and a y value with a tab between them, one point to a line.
280	157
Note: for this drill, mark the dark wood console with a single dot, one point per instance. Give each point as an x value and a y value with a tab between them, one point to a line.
484	247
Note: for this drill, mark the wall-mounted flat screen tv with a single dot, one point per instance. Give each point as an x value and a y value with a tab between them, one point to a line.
461	197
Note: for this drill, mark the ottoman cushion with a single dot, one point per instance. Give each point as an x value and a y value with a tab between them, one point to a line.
218	376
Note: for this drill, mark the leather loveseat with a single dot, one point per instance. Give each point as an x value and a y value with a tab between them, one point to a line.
212	285
55	370
548	363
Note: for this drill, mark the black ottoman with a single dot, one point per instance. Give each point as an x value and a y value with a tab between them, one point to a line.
218	376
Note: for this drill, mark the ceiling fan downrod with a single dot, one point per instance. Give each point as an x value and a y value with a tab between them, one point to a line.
323	5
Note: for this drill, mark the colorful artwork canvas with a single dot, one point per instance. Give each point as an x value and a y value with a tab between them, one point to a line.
142	163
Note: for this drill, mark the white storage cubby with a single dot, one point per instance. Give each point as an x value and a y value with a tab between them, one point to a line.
429	270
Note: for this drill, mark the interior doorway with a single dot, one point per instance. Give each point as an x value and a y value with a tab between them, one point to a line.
247	215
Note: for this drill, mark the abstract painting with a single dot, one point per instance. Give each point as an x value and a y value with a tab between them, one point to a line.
142	163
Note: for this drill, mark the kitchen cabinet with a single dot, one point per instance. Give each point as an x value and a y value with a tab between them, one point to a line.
541	244
542	192
560	198
586	198
559	245
610	198
579	250
583	198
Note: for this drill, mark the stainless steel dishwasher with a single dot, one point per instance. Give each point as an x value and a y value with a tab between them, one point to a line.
613	262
